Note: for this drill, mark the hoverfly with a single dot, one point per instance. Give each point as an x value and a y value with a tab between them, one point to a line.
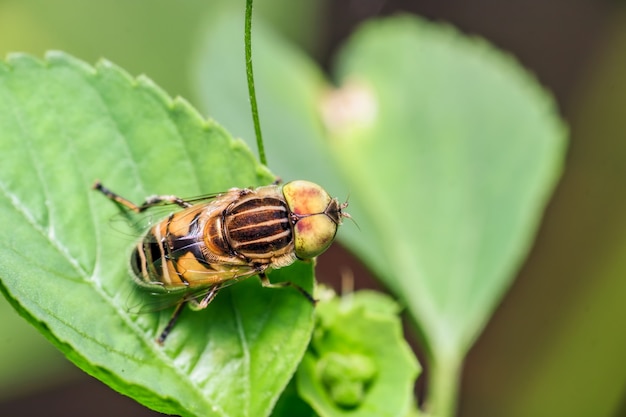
230	236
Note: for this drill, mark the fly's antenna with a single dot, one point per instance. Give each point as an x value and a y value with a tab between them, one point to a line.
342	206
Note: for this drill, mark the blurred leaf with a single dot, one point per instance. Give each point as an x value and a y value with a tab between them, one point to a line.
155	37
563	326
64	268
358	363
449	151
472	147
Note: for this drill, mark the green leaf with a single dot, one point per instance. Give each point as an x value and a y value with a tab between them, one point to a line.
478	146
358	363
449	151
64	267
568	310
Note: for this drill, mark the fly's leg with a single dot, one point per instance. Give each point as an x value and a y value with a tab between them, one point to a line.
150	201
267	284
170	324
112	196
194	304
205	300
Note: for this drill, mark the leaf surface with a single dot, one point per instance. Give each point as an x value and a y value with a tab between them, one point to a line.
64	267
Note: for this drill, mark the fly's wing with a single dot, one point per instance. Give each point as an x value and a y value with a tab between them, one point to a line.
190	276
141	300
145	300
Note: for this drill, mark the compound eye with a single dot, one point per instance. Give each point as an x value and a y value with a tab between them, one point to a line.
314	229
313	235
304	197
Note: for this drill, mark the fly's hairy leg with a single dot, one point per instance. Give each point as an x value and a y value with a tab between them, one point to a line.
194	304
267	284
170	324
204	301
150	201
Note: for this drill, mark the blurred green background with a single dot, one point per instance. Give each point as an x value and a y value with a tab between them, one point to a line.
557	344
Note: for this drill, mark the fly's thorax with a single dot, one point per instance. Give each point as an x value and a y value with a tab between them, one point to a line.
315	217
255	227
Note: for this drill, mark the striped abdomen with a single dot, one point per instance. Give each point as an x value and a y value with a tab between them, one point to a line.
171	252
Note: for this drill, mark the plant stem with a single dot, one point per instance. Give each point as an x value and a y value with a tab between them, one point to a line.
444	387
250	76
